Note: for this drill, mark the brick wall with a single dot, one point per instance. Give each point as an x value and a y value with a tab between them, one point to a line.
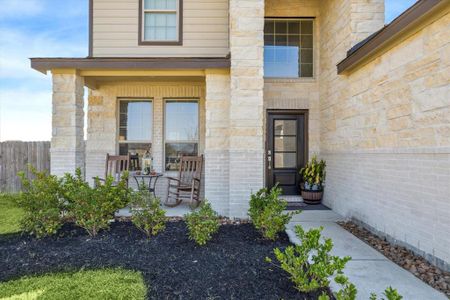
385	131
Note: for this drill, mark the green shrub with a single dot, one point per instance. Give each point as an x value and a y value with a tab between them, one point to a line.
202	224
390	294
147	214
310	264
93	207
42	204
348	290
266	212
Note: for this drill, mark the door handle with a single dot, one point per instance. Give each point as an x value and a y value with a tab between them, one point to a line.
269	159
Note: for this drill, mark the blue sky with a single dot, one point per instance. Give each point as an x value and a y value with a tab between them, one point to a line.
50	28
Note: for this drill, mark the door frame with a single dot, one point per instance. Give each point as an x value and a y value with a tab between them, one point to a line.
304	112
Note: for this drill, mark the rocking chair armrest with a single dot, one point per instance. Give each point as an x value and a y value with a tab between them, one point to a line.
196	179
172	178
101	179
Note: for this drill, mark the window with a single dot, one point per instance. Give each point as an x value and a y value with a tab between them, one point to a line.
181	131
135	126
288	48
160	22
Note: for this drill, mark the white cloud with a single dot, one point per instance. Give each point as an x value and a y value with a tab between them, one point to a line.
19	8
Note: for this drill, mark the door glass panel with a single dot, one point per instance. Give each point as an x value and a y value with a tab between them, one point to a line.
285	127
285	160
286	143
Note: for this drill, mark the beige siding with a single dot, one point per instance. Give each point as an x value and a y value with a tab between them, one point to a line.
116	22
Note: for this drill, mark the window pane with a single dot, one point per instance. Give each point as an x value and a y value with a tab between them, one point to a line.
288	45
307	27
181	121
175	150
160	26
285	143
135	121
160	4
285	127
306	70
285	160
307	41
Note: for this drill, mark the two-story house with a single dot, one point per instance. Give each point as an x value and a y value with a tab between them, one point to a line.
257	87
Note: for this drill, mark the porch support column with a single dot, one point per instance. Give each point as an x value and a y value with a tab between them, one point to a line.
217	140
67	145
246	103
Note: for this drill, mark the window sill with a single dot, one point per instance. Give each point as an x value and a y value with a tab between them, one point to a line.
289	80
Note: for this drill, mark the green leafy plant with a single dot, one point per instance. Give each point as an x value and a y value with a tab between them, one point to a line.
310	264
266	212
314	172
390	294
93	207
147	214
41	202
348	290
202	223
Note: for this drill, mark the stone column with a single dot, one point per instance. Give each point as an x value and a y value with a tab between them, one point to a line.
67	145
217	141
246	102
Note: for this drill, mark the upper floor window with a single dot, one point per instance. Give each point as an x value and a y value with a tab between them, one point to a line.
161	22
288	48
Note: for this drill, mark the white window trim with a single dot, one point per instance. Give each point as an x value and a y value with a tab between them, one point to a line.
176	11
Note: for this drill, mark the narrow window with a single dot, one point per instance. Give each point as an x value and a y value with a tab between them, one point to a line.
161	22
135	126
181	131
288	48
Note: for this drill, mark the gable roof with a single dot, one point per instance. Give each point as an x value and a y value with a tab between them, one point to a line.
388	33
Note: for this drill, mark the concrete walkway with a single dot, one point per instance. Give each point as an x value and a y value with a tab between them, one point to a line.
369	270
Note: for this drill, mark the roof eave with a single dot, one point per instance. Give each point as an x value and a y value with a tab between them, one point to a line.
407	20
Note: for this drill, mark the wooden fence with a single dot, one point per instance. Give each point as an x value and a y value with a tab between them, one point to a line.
15	156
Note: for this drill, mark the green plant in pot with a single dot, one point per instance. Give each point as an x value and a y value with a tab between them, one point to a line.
313	175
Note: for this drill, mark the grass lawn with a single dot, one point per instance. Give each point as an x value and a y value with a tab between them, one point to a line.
10	214
98	284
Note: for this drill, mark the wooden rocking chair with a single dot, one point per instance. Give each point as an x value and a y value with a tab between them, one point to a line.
116	165
187	185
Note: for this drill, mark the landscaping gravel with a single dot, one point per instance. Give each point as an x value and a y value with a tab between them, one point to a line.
231	266
406	259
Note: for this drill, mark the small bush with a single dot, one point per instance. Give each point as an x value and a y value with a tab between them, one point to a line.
93	207
266	212
147	214
42	204
202	224
390	294
310	264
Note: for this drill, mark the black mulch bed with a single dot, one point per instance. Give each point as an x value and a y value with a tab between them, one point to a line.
231	266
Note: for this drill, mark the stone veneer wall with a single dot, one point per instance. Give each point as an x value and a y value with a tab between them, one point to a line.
67	145
301	93
102	133
385	133
246	103
217	158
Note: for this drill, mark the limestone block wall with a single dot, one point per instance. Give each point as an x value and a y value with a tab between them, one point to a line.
102	135
67	144
246	102
217	158
385	133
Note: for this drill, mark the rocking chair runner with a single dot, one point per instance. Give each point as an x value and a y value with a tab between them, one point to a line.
187	185
116	165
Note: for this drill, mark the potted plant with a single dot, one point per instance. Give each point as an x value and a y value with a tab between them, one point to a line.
313	175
